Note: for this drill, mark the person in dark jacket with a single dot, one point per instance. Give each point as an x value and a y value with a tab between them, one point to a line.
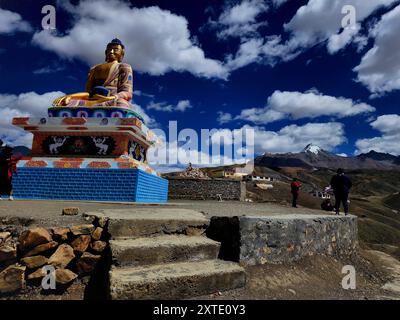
341	186
295	190
8	166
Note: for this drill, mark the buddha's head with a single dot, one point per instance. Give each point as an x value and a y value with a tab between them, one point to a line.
115	51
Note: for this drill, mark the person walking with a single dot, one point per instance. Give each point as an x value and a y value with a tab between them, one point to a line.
341	186
295	190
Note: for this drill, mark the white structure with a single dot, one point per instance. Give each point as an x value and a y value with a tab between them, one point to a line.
258	178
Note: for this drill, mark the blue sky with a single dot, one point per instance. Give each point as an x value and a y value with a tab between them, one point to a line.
286	68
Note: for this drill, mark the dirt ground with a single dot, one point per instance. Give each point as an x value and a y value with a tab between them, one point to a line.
319	278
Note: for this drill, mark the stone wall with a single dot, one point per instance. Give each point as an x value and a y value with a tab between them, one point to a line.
204	189
279	239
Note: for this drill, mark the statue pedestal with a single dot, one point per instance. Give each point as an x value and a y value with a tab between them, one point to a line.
98	159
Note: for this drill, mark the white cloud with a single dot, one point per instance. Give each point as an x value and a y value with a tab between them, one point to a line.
240	20
156	40
150	122
278	3
319	21
224	117
294	138
181	106
338	41
388	142
245	12
140	93
297	105
379	69
22	105
49	69
11	22
249	52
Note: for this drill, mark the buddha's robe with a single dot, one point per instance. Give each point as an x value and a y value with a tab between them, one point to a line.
119	81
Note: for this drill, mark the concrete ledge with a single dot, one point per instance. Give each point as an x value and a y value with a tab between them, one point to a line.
279	239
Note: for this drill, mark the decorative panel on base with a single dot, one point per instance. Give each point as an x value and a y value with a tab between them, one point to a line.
115	185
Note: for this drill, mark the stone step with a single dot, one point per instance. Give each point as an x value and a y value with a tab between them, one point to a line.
163	249
175	280
153	221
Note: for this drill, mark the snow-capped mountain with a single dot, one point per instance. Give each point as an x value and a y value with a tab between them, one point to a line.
314	156
312	148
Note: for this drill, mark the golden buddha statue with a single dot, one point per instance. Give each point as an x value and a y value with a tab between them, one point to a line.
108	84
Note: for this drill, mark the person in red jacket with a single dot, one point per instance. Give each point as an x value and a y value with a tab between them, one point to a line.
295	190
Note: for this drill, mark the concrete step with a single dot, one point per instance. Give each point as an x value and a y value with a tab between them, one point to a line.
175	280
163	249
153	221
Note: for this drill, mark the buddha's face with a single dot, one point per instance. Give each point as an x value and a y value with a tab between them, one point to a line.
114	52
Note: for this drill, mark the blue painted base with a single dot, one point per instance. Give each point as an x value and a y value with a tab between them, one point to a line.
127	185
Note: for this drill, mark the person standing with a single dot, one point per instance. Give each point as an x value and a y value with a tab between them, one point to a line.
8	166
295	190
341	186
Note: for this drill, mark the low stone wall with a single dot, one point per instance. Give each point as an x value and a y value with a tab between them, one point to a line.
254	240
279	239
204	189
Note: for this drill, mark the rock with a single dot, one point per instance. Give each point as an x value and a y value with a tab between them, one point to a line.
39	273
102	221
82	229
81	243
8	252
61	233
62	257
12	279
98	246
4	236
33	237
65	276
96	234
292	291
34	262
70	211
41	248
87	262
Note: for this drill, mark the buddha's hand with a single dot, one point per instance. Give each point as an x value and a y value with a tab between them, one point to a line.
62	101
102	98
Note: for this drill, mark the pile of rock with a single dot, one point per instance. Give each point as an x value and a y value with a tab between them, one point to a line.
195	173
73	252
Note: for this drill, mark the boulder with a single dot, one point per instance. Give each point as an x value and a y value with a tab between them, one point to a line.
82	229
7	252
87	262
96	234
38	274
34	262
98	246
61	233
4	236
70	211
62	257
65	276
41	248
12	279
81	243
33	237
